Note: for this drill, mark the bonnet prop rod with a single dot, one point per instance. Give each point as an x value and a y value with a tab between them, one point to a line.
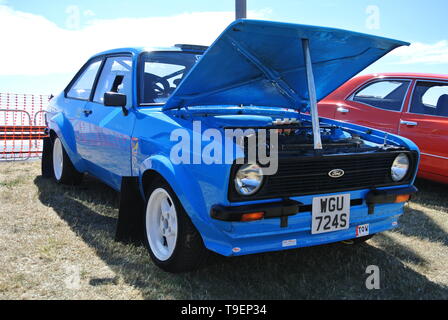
312	95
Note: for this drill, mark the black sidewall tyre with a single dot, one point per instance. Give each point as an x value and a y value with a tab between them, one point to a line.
189	253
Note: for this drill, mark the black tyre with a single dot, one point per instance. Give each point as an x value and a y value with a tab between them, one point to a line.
172	241
63	170
358	240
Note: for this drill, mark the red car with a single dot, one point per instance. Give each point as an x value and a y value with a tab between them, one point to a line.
411	105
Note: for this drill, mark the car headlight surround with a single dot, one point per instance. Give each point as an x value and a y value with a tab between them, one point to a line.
248	179
400	167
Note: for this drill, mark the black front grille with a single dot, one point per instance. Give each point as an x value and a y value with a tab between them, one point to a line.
310	175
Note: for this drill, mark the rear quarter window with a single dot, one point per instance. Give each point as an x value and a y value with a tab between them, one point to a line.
430	98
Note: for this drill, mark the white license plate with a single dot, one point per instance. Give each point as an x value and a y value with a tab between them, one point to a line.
331	213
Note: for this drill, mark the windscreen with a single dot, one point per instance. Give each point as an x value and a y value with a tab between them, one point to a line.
162	73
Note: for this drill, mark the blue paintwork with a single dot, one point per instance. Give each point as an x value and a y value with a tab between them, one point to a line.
110	145
256	62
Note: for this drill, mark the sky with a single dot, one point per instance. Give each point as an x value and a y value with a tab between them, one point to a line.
45	42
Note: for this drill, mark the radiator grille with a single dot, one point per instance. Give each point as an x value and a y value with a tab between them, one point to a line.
310	175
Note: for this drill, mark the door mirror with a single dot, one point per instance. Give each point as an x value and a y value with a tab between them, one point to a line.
114	99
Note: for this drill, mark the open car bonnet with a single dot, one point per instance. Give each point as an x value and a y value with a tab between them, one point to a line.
256	62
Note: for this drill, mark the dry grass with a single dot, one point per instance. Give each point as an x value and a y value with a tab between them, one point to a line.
57	242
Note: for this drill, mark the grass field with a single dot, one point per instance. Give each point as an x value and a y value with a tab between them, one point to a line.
57	242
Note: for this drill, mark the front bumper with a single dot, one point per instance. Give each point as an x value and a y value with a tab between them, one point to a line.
374	207
288	207
284	208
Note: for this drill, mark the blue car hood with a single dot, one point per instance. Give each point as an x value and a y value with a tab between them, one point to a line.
256	62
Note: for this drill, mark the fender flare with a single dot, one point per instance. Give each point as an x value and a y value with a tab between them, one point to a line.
190	195
60	125
173	174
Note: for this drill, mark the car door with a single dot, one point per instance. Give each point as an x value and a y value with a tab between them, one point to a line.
76	98
426	123
109	143
378	104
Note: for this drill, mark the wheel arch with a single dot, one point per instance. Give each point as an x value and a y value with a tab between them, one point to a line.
148	177
186	189
60	127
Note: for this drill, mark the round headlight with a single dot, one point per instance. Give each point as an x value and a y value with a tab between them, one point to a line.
400	167
248	179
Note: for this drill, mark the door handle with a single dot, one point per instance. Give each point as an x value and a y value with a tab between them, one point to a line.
87	112
342	110
408	123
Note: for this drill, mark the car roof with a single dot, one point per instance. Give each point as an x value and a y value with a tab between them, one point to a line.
406	75
138	50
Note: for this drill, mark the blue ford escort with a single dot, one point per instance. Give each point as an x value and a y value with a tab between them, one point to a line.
221	148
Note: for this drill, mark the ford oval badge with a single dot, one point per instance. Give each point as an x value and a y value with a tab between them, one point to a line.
336	173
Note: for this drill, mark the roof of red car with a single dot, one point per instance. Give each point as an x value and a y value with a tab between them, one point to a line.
406	75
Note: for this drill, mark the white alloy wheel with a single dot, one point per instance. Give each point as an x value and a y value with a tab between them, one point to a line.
58	159
161	224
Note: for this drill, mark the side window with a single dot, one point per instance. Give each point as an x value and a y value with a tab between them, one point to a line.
115	66
430	98
387	94
82	87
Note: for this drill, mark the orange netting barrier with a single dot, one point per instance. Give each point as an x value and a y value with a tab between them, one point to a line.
22	124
